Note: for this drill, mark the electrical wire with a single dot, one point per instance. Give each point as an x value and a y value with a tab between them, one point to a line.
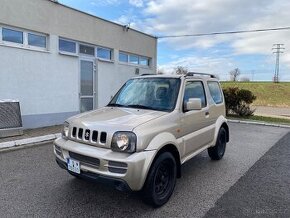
225	33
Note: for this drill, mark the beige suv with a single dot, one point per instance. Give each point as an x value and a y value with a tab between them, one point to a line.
152	126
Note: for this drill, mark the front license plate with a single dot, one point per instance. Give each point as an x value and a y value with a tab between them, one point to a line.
74	166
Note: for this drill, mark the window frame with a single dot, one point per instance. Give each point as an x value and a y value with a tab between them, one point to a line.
147	59
79	44
204	91
135	56
37	34
134	64
124	53
220	90
24	44
104	48
13	43
76	53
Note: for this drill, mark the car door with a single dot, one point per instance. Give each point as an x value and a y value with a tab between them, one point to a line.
195	123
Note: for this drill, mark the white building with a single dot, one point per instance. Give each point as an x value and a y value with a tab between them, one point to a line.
58	61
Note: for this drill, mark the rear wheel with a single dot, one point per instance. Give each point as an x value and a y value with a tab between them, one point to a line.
217	152
161	180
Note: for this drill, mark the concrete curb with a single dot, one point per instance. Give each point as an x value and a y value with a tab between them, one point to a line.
50	137
33	140
259	123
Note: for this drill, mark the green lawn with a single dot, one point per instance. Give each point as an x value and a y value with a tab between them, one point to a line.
268	93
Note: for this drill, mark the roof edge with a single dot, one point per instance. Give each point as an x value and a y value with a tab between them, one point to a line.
94	16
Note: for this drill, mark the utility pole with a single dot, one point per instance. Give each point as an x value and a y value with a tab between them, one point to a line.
278	49
253	74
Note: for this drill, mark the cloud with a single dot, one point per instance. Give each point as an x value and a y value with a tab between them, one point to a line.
171	17
136	3
104	2
205	64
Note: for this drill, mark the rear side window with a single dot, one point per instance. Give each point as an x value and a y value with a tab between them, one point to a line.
215	92
195	89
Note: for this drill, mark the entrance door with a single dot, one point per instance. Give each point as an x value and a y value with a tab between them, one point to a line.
87	85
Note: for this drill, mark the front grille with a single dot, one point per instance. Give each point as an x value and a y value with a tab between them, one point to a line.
89	135
80	133
103	137
95	136
74	132
85	160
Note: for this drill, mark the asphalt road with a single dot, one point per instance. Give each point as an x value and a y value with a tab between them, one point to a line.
264	191
32	185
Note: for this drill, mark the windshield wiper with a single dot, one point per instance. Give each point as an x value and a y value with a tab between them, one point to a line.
116	105
139	106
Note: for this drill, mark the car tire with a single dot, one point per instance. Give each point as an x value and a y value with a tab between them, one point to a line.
217	152
160	181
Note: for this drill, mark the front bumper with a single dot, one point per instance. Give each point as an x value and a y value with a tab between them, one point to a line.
125	171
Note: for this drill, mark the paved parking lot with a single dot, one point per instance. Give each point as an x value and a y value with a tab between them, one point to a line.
33	185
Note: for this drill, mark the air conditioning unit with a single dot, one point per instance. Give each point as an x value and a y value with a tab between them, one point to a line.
10	118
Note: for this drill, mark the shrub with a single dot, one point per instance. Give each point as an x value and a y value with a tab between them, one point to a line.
238	101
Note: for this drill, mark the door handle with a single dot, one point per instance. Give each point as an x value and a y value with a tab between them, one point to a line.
206	113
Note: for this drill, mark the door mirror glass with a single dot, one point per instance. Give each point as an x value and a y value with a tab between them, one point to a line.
193	104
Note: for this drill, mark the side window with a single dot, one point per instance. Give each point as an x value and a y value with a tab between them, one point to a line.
215	92
195	89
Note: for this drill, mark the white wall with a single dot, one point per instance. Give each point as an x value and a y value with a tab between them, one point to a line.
52	18
43	82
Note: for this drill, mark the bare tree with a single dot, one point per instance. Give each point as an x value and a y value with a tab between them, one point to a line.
180	70
160	71
245	79
234	74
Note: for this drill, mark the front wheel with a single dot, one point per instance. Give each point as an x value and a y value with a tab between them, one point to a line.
161	180
217	152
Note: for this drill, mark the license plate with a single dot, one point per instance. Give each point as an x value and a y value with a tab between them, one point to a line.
74	166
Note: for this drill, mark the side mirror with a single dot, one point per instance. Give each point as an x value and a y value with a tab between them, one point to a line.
193	104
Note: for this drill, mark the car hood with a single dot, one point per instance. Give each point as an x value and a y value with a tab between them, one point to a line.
115	118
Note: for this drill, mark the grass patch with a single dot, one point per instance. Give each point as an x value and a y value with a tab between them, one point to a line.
262	118
268	93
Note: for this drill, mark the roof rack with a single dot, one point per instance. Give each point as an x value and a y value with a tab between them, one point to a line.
147	74
202	74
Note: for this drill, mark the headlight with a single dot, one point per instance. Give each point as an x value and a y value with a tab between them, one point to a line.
65	130
124	142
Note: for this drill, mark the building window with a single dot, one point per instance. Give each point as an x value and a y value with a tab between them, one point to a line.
67	46
104	53
123	57
133	59
10	35
36	40
87	50
144	61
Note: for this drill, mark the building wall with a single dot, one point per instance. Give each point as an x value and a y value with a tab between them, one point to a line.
52	18
44	83
47	82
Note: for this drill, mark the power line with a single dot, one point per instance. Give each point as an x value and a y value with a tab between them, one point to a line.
277	50
225	33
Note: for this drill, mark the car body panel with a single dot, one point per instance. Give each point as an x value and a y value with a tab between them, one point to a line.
190	132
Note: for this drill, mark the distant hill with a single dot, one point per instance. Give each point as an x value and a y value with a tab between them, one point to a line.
268	93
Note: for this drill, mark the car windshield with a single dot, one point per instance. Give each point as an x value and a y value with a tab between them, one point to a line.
148	93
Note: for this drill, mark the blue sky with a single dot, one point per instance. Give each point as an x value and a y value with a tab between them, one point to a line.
251	53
